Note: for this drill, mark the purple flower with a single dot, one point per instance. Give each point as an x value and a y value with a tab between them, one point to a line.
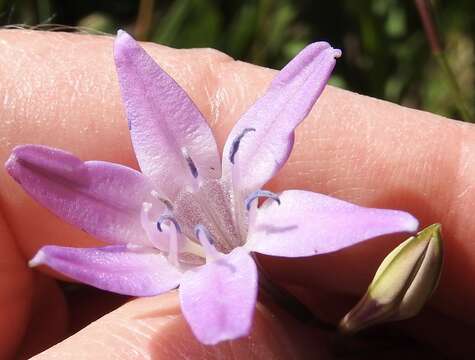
190	219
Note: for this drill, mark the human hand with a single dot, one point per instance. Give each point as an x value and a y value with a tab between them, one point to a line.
61	90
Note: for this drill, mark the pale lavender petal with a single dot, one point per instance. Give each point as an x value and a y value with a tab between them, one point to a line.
103	199
123	269
172	141
290	97
218	299
308	223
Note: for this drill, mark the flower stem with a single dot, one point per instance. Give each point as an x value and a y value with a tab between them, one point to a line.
144	19
432	34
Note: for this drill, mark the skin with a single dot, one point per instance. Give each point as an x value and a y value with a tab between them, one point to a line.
61	90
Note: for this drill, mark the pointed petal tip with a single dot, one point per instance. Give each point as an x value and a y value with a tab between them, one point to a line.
12	159
323	46
124	45
19	153
123	35
38	259
412	224
10	164
51	161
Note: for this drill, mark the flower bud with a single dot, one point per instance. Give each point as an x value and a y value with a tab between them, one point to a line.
403	282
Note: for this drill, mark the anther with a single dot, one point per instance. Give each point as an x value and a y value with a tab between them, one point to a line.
201	228
163	200
170	218
235	145
261	193
190	162
206	240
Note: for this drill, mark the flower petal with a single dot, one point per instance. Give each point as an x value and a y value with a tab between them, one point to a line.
123	269
289	99
218	299
103	199
172	140
308	223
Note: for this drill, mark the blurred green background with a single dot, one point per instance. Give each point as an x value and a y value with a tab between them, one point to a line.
386	53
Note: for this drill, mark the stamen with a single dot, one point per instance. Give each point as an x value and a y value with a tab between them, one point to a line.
174	233
158	239
191	164
206	240
165	201
202	229
236	143
261	193
166	217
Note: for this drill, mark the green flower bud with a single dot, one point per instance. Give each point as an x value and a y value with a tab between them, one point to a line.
403	283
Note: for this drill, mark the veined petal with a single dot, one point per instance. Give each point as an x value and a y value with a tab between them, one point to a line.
172	141
101	198
308	223
273	118
128	270
218	299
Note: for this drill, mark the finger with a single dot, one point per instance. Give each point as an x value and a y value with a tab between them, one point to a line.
16	290
15	293
154	328
383	155
353	147
87	304
48	319
431	329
